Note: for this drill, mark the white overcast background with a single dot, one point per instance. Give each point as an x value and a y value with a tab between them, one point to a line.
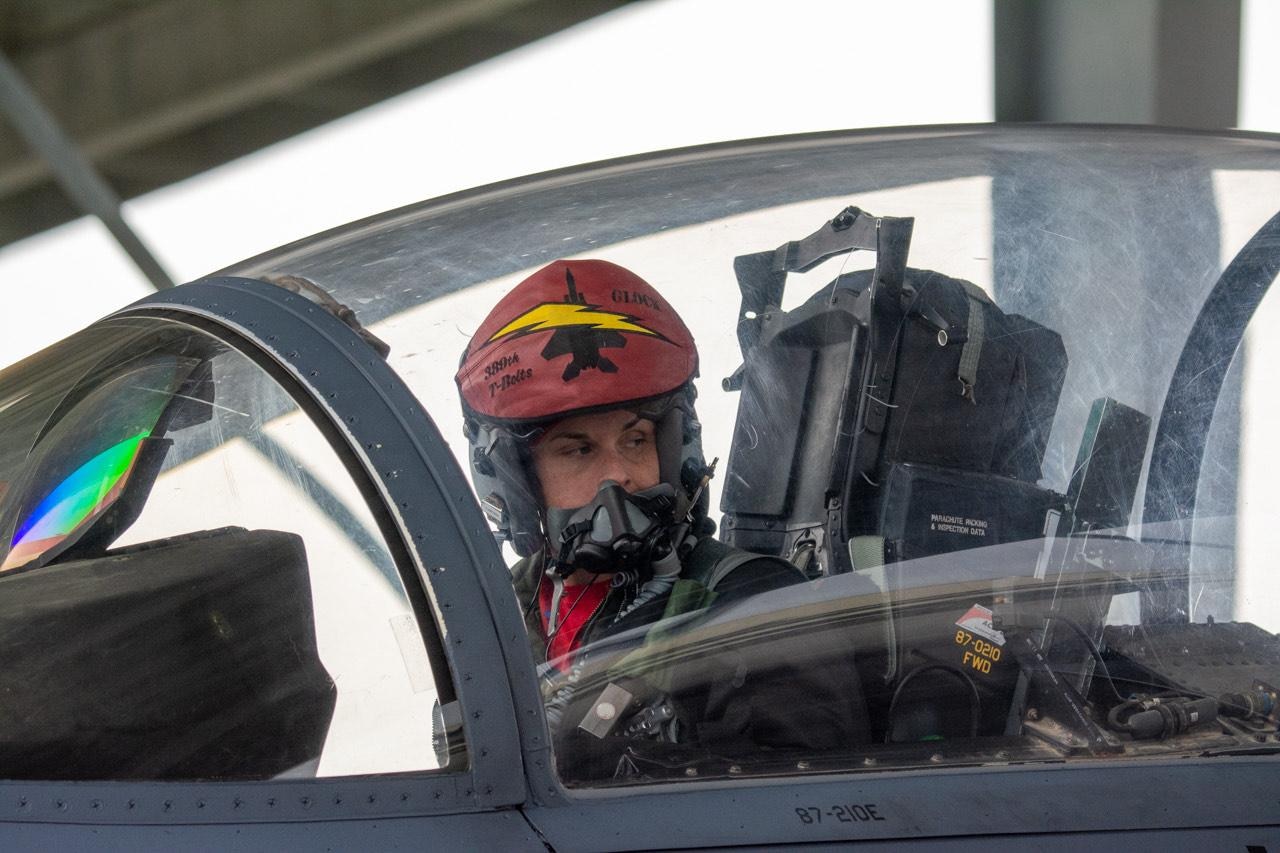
652	75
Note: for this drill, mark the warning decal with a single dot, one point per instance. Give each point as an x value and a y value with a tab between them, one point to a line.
958	524
977	620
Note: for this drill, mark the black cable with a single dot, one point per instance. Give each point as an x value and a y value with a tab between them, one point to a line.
1113	716
1093	648
975	704
1097	655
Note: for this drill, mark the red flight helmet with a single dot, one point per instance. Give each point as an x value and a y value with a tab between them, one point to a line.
576	337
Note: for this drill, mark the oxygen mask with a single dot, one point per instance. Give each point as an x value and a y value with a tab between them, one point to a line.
616	532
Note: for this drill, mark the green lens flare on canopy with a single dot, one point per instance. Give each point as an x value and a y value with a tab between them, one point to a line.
80	495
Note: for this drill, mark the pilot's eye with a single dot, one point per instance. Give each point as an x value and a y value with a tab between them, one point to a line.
637	443
635	439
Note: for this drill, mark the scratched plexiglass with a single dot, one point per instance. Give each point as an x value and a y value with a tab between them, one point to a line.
1021	471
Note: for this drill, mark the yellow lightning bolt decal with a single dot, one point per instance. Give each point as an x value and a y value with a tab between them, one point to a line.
558	315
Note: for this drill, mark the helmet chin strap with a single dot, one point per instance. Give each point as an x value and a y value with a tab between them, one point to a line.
616	532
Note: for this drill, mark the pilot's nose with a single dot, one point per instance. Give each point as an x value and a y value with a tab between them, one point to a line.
617	468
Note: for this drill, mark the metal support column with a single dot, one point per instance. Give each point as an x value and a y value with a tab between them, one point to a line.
74	173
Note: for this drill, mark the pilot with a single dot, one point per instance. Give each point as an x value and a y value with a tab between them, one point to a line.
578	401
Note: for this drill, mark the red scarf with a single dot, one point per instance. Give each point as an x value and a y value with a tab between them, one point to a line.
577	605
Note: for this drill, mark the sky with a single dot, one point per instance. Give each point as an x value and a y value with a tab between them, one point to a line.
649	76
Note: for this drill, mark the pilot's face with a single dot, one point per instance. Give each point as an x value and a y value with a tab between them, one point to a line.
577	454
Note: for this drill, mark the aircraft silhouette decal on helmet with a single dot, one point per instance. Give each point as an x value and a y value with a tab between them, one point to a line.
581	330
575	335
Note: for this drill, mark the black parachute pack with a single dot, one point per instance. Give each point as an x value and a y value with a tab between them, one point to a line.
898	410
